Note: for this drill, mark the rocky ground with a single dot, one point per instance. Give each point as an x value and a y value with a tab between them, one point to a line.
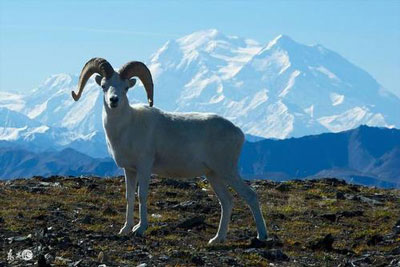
67	221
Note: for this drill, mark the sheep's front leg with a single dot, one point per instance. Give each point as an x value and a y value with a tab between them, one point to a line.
130	184
144	180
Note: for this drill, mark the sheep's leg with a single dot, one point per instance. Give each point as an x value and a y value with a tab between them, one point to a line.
144	180
130	184
251	199
226	202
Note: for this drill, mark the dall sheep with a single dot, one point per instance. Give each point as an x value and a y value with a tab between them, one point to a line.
145	140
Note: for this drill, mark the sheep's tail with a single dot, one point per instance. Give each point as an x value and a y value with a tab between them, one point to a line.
239	141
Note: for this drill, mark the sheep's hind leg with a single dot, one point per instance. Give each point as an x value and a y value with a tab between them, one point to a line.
226	202
130	184
144	180
251	199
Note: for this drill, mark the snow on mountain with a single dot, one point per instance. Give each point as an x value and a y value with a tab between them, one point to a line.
11	101
18	130
284	89
51	103
278	90
49	119
193	69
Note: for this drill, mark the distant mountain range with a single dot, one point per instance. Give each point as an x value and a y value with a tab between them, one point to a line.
18	163
365	155
277	90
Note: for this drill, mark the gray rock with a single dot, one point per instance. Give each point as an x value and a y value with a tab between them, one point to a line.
274	255
396	228
198	260
87	219
42	261
272	241
329	216
186	205
323	244
164	258
19	238
192	222
370	201
374	240
364	260
77	263
109	211
349	214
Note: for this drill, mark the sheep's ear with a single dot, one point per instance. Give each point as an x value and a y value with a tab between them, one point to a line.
131	82
98	79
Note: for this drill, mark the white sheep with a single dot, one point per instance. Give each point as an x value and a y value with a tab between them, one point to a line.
145	140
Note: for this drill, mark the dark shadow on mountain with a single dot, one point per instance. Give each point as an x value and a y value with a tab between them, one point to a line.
365	155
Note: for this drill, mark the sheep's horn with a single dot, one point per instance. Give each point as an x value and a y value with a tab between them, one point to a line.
95	65
138	69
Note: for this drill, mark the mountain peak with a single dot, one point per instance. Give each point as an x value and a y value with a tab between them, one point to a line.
280	90
207	32
287	43
56	79
281	40
200	37
206	51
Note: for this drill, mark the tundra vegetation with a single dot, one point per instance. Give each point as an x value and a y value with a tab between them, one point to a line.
75	221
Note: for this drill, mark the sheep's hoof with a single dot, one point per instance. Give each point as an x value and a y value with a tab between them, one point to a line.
216	240
125	230
139	230
262	237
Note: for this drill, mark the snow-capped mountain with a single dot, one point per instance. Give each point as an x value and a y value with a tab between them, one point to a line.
18	130
277	90
192	70
280	90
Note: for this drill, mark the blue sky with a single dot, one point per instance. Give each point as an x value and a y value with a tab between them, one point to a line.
49	37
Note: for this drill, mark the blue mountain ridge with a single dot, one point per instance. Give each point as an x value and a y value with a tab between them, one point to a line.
364	155
20	163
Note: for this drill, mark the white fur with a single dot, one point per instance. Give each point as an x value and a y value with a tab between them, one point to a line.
145	141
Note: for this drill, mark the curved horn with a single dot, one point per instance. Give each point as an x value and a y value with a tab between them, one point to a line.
95	65
138	69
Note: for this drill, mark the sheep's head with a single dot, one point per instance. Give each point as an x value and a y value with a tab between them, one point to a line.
115	84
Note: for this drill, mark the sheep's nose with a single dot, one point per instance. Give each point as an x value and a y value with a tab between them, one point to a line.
114	99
